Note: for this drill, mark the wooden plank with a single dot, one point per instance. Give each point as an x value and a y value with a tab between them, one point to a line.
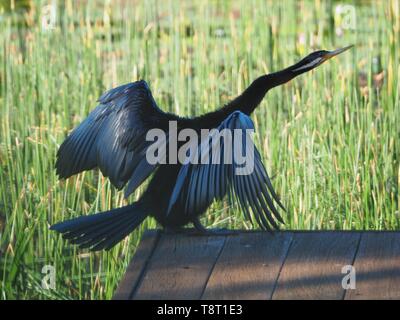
377	267
248	266
180	267
312	269
137	265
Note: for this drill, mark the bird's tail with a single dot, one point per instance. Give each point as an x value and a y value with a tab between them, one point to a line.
102	230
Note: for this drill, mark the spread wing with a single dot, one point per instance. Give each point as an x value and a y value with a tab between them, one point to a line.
112	137
199	184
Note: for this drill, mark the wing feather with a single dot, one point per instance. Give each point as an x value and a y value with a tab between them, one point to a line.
205	182
112	137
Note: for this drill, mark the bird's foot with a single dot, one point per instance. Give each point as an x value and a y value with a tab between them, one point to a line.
169	230
215	232
200	230
197	232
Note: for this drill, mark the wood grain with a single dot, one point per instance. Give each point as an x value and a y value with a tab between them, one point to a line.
248	266
312	269
137	266
180	267
258	265
377	267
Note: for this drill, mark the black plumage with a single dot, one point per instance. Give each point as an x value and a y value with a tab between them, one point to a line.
112	138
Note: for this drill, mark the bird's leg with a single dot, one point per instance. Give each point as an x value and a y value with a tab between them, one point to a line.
199	227
171	230
201	230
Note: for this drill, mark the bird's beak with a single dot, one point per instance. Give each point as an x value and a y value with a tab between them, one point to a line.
333	53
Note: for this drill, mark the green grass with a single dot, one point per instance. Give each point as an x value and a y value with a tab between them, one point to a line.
330	141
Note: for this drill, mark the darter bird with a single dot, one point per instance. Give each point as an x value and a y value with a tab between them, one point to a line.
113	139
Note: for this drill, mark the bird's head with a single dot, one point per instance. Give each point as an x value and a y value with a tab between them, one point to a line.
315	59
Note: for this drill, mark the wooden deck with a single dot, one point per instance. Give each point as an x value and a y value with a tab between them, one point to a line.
258	265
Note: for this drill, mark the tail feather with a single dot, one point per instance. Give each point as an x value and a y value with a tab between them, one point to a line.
102	230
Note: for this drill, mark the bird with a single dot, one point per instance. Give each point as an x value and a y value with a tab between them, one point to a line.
113	138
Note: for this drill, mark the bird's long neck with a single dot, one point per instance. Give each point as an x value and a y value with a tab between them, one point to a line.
250	98
253	95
